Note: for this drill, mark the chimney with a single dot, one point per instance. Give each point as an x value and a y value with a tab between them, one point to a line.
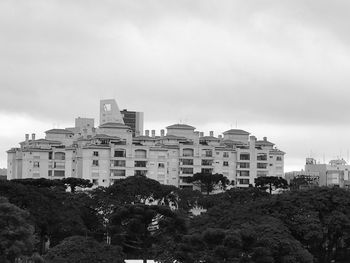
147	132
153	133
162	132
211	133
201	134
265	139
220	136
27	138
33	136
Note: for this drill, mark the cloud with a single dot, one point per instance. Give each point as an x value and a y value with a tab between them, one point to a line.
280	63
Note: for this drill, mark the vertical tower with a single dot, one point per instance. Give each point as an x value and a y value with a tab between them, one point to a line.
109	112
134	120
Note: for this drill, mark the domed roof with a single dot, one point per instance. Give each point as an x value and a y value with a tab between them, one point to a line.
59	131
236	132
181	127
115	125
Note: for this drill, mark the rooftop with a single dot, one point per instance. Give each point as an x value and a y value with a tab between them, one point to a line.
115	125
59	131
236	132
181	127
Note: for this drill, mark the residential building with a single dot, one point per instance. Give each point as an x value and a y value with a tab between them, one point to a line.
110	152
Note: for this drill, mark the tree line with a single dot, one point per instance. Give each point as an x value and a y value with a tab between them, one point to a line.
136	217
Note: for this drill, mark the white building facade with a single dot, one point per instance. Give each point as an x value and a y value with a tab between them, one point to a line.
110	152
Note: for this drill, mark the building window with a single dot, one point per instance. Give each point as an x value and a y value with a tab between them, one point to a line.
278	158
244	156
95	153
187	152
243	181
119	163
95	181
208	153
186	170
140	172
141	154
119	153
261	165
60	156
50	155
225	163
262	157
243	165
207	162
36	164
118	173
242	173
140	163
261	173
161	165
50	173
59	173
207	170
94	162
226	155
187	161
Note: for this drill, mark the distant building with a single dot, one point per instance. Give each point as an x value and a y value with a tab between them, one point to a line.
310	179
336	173
134	120
110	152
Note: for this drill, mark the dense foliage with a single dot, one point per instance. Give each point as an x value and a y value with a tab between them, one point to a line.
140	218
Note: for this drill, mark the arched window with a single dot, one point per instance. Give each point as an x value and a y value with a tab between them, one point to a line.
187	152
140	153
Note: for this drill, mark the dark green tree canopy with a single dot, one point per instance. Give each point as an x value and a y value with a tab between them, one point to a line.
268	182
78	249
208	182
73	183
16	234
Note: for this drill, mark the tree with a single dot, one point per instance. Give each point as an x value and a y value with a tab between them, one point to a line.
16	235
41	182
208	182
140	229
73	183
55	214
78	249
266	182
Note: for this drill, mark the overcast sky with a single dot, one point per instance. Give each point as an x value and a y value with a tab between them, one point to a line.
275	68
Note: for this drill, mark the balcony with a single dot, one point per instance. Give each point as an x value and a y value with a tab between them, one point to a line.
142	164
261	165
262	157
207	162
243	165
244	157
119	154
186	162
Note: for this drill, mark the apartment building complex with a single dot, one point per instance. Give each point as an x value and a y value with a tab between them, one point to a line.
110	152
